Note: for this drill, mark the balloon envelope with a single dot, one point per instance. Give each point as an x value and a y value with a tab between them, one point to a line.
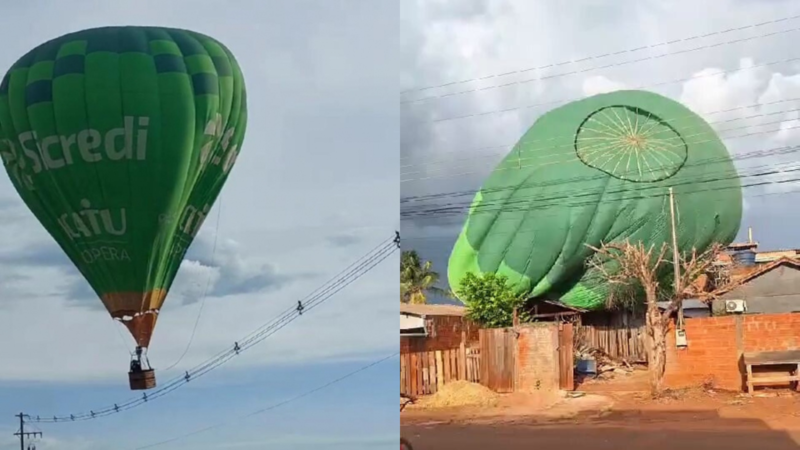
119	140
598	171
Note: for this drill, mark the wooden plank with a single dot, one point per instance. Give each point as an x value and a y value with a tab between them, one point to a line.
772	358
420	389
403	369
469	367
425	373
407	361
446	355
565	352
433	374
439	370
462	359
749	379
453	365
484	336
775	379
414	383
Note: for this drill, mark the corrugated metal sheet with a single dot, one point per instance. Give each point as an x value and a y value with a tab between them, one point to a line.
433	310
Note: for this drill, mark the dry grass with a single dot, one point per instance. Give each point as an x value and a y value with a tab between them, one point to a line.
460	393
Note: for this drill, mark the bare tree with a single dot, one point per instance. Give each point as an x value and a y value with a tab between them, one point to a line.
624	264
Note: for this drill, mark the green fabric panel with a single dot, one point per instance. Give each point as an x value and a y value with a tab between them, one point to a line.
119	150
598	170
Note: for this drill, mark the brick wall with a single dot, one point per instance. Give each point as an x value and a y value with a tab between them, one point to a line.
715	346
537	357
444	333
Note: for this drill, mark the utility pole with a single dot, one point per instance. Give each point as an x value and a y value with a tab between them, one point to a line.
676	259
22	433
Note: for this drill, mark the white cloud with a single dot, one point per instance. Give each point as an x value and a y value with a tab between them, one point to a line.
317	163
599	84
515	37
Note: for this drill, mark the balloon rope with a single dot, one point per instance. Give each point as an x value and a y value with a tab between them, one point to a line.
205	291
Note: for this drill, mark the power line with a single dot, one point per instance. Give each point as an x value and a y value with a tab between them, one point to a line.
527	145
354	272
575	158
768	152
527	208
641	86
522	230
604	55
271	407
505	204
607	66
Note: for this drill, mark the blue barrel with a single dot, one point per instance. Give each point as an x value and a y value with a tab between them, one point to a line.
586	366
745	257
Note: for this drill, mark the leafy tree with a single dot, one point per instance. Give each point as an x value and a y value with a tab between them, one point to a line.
490	300
417	279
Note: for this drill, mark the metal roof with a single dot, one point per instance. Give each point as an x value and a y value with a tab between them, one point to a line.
433	310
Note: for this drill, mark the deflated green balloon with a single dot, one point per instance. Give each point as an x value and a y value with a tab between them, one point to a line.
119	140
596	171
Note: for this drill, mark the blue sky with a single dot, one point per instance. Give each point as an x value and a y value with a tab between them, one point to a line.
315	187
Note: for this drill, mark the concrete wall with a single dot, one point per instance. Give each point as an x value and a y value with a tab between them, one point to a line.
537	358
717	343
777	291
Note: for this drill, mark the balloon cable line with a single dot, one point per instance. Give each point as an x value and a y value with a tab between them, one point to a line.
205	290
604	55
121	337
273	406
352	273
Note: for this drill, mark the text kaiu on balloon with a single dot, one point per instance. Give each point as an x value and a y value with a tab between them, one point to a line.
106	226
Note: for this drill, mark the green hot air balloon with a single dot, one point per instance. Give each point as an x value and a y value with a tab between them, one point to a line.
597	171
119	140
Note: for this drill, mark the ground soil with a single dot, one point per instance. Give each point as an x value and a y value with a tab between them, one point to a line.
614	415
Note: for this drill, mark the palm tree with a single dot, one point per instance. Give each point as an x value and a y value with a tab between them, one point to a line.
417	279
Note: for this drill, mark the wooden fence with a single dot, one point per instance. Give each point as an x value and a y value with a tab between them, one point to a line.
423	373
498	368
620	335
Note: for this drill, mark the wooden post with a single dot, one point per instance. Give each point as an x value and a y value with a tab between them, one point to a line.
676	260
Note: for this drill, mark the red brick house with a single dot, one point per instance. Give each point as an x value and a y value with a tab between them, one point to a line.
434	327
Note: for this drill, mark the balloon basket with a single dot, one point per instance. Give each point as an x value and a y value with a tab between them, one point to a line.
142	380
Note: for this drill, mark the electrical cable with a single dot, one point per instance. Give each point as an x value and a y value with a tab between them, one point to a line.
354	272
560	200
273	406
205	368
768	152
641	86
607	66
575	158
452	236
604	55
529	142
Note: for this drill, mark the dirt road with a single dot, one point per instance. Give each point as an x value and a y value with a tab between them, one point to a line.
649	430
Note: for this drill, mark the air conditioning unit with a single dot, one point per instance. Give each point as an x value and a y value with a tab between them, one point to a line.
735	306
